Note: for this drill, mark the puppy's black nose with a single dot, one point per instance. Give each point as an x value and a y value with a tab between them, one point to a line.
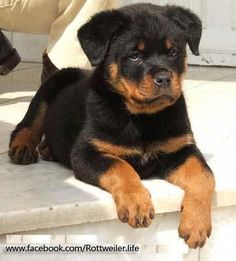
162	79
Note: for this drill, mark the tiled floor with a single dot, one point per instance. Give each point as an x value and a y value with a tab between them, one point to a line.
211	98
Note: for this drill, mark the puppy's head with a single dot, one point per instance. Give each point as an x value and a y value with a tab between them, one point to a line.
142	49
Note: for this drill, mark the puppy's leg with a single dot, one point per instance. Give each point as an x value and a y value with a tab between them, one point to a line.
132	199
197	180
45	151
28	133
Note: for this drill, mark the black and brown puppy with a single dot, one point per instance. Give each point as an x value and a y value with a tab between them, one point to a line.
127	119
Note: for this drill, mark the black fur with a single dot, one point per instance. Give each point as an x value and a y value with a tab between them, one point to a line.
84	105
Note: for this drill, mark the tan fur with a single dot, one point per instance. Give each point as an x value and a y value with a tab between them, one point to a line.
115	150
135	108
168	146
198	183
32	134
22	147
168	44
24	137
141	46
146	89
113	70
132	200
176	85
172	145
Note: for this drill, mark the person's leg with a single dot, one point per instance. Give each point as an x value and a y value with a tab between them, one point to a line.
28	16
63	47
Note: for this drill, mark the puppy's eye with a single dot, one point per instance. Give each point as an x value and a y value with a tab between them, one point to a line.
135	56
173	52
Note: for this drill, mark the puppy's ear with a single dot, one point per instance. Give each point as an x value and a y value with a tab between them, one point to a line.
96	34
189	23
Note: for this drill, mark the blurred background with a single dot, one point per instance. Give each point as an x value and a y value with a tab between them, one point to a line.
218	44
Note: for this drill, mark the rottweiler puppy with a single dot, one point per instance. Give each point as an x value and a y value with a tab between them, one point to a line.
127	119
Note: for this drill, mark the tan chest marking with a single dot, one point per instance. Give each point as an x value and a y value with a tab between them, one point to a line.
169	146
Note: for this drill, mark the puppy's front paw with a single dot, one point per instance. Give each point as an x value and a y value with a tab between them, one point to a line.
195	225
135	207
23	154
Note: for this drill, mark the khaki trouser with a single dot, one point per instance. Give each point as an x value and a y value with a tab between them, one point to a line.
58	18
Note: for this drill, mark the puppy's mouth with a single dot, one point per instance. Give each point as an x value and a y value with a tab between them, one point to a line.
155	99
150	93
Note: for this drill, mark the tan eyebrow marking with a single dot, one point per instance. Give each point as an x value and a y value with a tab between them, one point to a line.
141	46
168	44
